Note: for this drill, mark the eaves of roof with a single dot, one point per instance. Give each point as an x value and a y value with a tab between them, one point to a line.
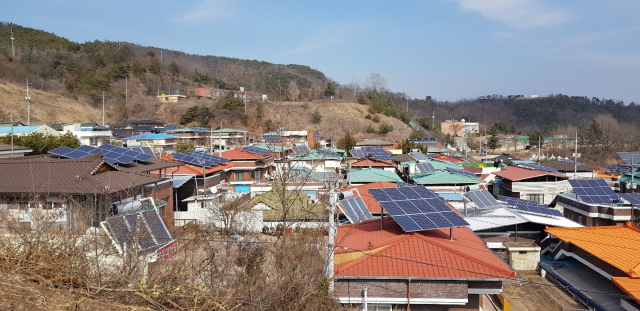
516	173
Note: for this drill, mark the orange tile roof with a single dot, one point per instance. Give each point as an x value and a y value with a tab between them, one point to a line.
368	199
516	173
629	286
364	250
239	154
616	245
371	162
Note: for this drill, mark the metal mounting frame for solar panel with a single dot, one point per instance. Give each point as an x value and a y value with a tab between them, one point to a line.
482	198
417	208
144	228
355	210
630	158
461	172
540	168
425	167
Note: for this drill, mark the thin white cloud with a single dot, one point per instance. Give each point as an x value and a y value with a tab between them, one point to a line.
521	14
326	36
613	60
206	11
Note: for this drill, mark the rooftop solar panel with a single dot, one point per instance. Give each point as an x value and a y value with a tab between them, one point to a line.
461	172
633	198
531	206
61	151
300	149
482	198
417	208
355	210
417	155
630	158
593	191
540	168
170	127
328	153
256	150
273	139
373	152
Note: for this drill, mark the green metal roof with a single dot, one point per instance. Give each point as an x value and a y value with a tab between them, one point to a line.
441	177
273	148
436	150
368	175
314	155
230	131
627	177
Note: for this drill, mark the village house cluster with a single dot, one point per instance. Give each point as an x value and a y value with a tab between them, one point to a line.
420	231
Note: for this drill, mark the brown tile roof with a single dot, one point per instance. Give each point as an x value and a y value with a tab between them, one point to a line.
6	147
44	174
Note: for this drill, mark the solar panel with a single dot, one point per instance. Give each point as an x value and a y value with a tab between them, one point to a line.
593	191
61	151
417	208
356	210
531	206
273	139
482	198
570	161
358	152
170	127
147	150
300	149
461	172
200	129
142	153
633	198
256	150
373	152
630	158
143	230
540	168
328	153
418	155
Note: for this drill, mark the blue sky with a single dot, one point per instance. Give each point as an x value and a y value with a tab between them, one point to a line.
448	49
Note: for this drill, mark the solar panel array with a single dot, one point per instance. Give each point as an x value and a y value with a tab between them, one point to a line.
300	149
425	167
356	210
169	127
633	198
417	208
630	158
540	168
257	150
403	184
199	159
144	150
593	190
570	161
110	153
482	198
143	230
373	152
461	172
418	155
328	153
273	139
531	206
200	129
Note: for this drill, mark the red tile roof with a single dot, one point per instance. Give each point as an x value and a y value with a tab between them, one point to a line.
364	250
188	169
516	173
239	154
368	199
371	162
629	286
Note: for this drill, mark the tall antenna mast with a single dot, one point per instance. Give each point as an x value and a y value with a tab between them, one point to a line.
28	104
103	96
13	50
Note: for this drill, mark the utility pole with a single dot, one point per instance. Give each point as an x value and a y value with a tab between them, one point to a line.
575	159
126	90
103	96
12	134
539	145
28	104
433	120
13	50
245	100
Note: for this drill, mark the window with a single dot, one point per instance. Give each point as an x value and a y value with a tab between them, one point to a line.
238	176
257	176
536	197
522	252
580	220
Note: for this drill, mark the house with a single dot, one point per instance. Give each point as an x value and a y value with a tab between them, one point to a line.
599	264
159	143
200	136
604	209
171	98
251	168
81	190
227	138
370	175
390	269
26	130
9	151
301	212
444	178
569	169
301	138
530	184
459	128
375	142
90	134
201	92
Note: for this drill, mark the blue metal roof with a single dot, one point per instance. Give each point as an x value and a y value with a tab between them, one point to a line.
150	136
180	180
19	129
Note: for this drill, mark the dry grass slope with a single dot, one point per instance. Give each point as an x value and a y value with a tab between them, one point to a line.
45	106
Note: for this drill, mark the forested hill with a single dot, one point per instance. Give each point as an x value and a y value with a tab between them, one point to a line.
90	68
527	115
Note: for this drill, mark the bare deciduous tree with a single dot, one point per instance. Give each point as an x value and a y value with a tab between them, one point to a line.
376	82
